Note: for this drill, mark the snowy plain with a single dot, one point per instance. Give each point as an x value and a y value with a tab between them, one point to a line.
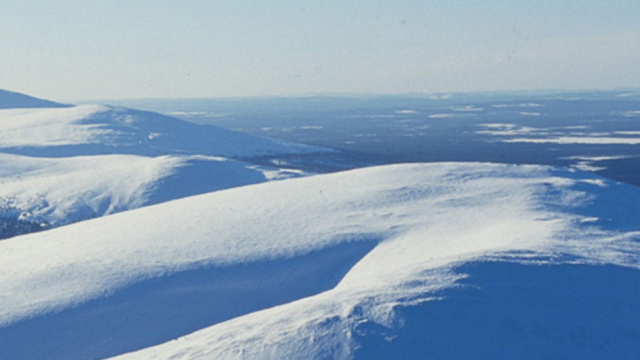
213	260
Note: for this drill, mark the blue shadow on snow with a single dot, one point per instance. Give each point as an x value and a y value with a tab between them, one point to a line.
513	311
161	309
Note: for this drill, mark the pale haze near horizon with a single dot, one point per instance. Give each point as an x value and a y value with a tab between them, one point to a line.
71	50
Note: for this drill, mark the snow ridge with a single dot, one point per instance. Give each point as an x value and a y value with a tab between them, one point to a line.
448	260
99	130
12	100
59	165
58	191
402	231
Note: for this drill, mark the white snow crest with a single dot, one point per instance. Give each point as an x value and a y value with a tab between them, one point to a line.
58	191
395	231
95	129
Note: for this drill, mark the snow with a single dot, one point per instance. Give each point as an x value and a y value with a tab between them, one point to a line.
467	108
441	116
405	112
12	100
508	130
630	94
59	165
522	105
587	166
586	140
211	260
591	163
331	266
598	158
556	136
58	191
97	129
498	125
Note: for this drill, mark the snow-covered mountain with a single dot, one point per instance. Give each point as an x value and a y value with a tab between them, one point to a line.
61	164
98	130
39	193
406	261
12	100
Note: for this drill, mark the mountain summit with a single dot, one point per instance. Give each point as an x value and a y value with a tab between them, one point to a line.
13	100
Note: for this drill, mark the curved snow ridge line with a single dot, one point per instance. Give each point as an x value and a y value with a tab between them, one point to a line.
58	191
164	308
335	324
12	100
97	129
258	213
326	325
428	217
104	254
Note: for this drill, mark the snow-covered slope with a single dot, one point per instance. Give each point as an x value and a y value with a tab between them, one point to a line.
364	263
59	165
96	129
12	100
49	192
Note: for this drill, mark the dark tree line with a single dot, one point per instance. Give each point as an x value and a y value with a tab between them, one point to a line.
13	226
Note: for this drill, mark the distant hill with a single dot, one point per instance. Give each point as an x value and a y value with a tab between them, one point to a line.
99	130
63	165
13	100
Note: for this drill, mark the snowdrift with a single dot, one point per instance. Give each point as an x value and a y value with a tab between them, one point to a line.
425	260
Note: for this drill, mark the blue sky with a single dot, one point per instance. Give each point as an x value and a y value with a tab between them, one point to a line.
70	50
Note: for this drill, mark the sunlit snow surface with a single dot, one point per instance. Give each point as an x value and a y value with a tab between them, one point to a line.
97	129
13	100
428	260
58	191
66	164
443	261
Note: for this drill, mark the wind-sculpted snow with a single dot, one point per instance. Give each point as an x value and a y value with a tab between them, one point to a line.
94	130
56	191
356	264
60	165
